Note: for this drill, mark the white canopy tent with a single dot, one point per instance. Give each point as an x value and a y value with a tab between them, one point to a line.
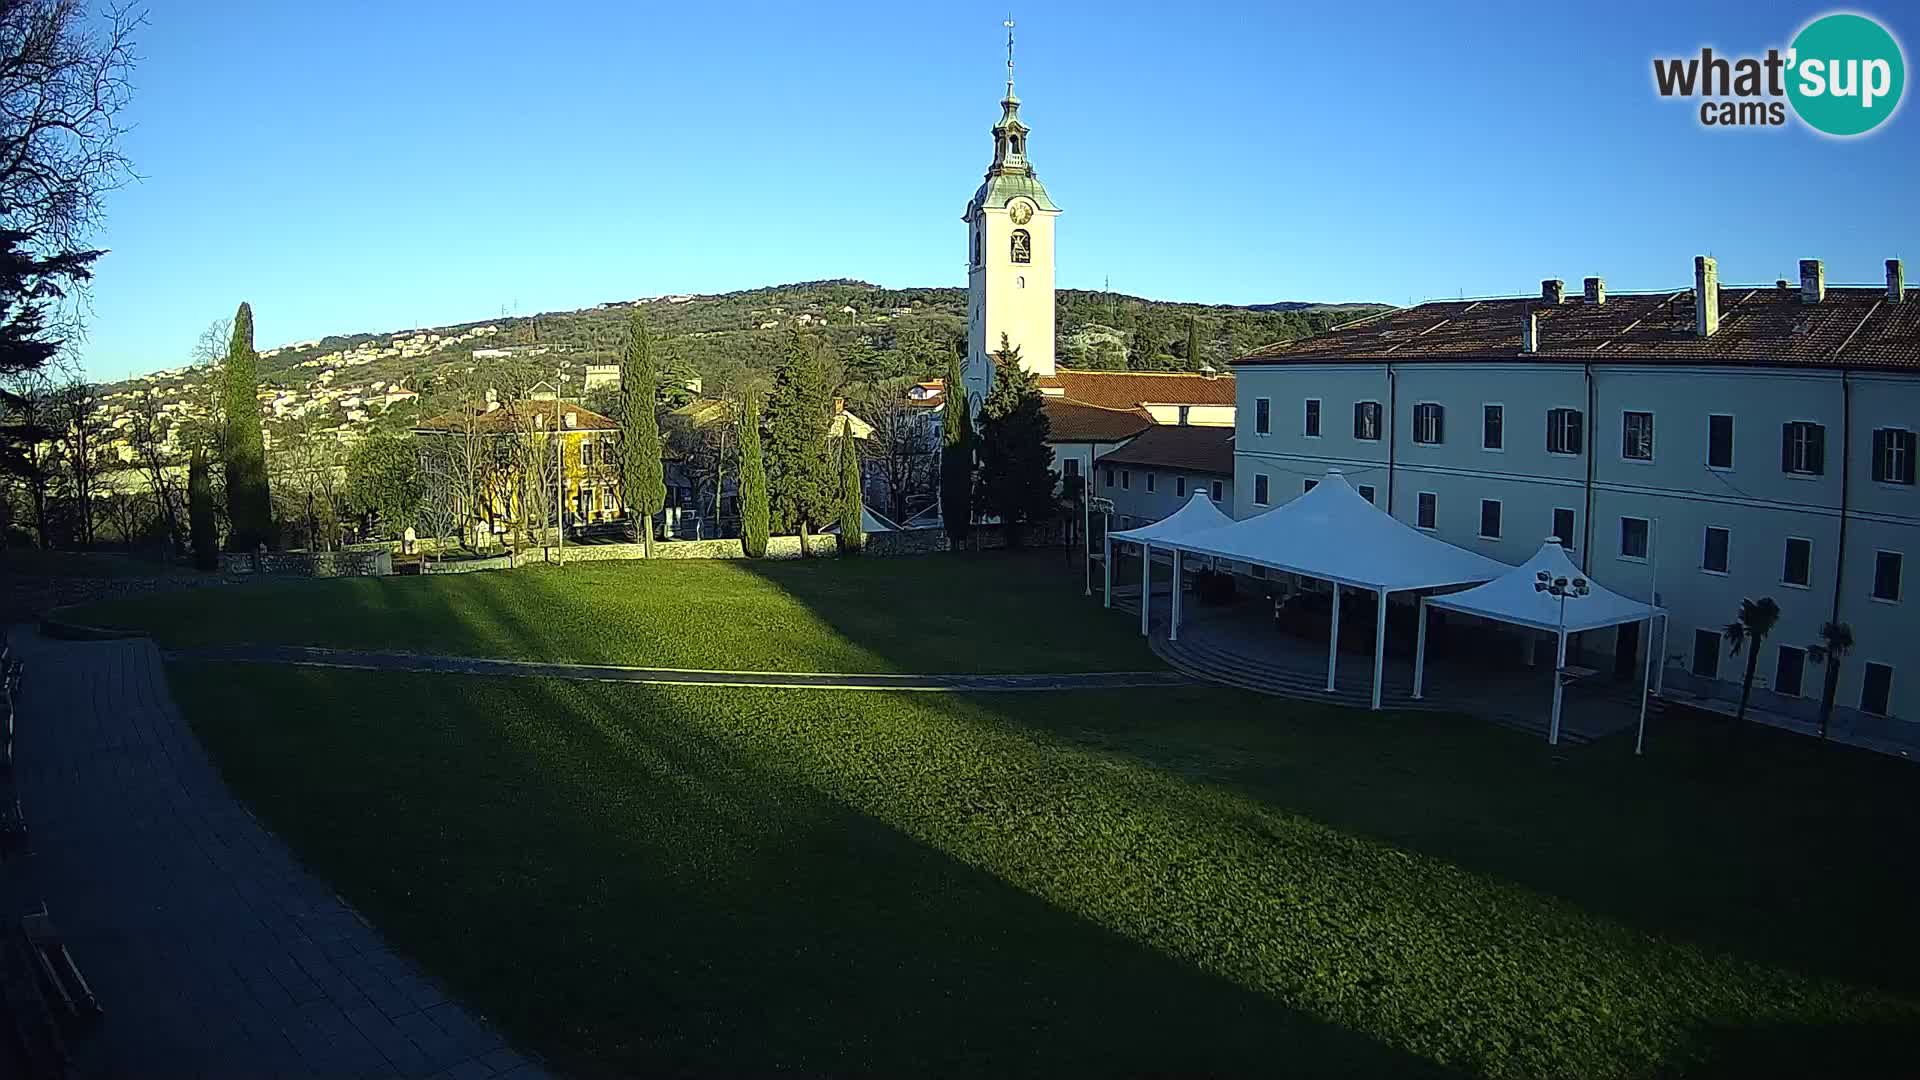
1335	534
1198	515
1521	597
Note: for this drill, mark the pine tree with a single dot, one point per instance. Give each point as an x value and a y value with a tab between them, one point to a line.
1016	483
200	523
753	483
853	536
956	458
249	504
643	477
801	485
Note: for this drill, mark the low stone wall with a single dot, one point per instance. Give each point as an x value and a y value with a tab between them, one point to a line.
33	597
309	563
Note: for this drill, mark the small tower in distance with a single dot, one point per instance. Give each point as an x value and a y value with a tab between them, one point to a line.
1009	253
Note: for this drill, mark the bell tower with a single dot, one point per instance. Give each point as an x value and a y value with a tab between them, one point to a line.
1009	253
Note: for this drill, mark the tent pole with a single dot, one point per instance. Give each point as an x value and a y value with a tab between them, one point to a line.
1146	586
1173	626
1646	683
1106	565
1420	653
1379	647
1559	685
1660	669
1333	640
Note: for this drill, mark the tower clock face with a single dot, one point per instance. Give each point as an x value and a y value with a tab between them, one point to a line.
1021	212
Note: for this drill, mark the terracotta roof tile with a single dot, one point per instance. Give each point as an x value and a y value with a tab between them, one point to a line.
1759	325
1130	389
1174	446
510	416
1074	421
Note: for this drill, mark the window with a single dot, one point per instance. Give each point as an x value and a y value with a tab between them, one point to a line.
1257	570
1799	565
1429	510
1309	486
1022	245
1633	538
1179	487
583	501
1429	424
1636	436
1216	491
1149	480
1366	421
1886	575
976	246
1259	489
1893	450
1366	492
1719	441
1262	421
1876	689
1490	519
1787	673
1106	476
1563	527
1564	434
1713	553
1493	419
1070	468
586	453
1803	449
1706	653
1186	411
1313	418
607	501
1126	478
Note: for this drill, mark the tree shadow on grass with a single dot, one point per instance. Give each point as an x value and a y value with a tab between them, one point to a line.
627	891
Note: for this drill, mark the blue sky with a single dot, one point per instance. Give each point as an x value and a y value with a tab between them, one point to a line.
377	166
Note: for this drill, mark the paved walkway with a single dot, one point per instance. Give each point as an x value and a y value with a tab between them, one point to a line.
370	660
212	952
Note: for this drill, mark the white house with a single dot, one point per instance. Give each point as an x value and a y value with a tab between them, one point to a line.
1737	442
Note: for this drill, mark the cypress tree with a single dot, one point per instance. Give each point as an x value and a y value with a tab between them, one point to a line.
753	483
249	503
852	504
643	476
802	488
1193	342
956	457
1016	482
200	523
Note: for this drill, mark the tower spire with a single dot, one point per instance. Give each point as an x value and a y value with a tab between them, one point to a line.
1009	25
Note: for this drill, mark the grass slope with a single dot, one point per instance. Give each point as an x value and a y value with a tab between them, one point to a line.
990	612
744	881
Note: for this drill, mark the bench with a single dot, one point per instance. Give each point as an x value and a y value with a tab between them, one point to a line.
60	976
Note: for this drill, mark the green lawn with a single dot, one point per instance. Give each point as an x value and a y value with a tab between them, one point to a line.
989	612
673	880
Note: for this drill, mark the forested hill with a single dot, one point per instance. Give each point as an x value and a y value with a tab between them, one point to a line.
875	333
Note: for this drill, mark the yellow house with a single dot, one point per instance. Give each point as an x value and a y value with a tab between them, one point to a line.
491	444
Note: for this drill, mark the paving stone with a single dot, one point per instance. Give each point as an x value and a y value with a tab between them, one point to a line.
212	950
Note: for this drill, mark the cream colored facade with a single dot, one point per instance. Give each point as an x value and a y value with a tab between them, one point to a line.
1010	250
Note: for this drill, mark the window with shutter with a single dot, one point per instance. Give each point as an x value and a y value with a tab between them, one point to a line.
1493	435
1366	421
1564	434
1428	419
1803	448
1893	453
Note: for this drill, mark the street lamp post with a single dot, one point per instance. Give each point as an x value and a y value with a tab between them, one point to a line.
1560	588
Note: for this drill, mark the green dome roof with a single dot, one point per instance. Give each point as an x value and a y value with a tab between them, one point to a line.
1001	188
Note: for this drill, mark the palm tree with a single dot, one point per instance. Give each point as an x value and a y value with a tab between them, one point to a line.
1836	641
1755	621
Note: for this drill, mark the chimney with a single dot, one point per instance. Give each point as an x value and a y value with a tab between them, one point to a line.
1553	290
1530	333
1783	285
1813	281
1706	296
1596	290
1896	282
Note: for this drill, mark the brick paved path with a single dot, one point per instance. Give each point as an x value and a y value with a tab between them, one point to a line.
212	951
377	660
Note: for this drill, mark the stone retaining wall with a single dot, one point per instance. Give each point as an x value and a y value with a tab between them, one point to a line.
309	563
